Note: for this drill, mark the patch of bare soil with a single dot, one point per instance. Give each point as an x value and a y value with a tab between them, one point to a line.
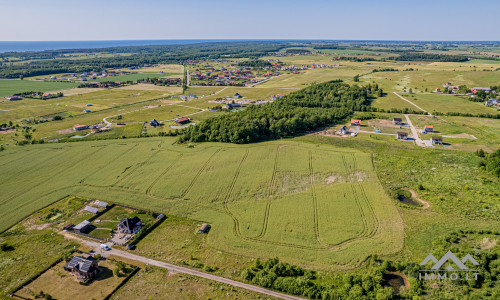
8	131
65	131
488	244
382	123
40	227
334	178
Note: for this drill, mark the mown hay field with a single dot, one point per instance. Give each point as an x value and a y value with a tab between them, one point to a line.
12	86
315	205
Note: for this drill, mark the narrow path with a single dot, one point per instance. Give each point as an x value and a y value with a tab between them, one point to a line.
414	132
414	195
411	103
179	269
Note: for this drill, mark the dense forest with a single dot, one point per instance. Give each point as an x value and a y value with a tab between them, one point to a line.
308	109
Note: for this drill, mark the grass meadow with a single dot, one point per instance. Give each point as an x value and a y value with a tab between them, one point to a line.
12	86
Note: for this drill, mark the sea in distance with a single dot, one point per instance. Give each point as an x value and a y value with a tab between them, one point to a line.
15	46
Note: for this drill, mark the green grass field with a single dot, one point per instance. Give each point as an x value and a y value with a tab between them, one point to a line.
10	86
448	103
324	201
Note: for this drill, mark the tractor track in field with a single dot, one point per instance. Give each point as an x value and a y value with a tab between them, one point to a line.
132	169
367	201
355	194
108	163
191	184
237	232
314	199
236	228
270	193
148	190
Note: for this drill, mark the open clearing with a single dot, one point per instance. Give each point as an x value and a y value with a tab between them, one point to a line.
278	197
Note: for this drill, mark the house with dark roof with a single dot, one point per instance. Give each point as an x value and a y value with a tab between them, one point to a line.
402	135
130	225
343	130
84	267
83	226
397	121
154	123
437	140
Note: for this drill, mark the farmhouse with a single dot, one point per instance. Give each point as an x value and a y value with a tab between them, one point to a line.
437	140
130	225
402	135
82	226
237	96
397	121
355	122
182	120
428	128
84	267
46	95
14	98
79	127
343	130
204	228
91	209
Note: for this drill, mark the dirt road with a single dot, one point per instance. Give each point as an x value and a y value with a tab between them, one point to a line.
414	132
411	103
178	269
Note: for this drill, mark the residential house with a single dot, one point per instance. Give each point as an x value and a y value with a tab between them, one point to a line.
79	127
474	90
355	122
428	128
130	225
402	135
84	267
491	102
343	130
154	123
182	120
397	121
437	140
237	96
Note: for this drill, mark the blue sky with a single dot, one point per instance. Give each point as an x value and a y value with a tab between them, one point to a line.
57	20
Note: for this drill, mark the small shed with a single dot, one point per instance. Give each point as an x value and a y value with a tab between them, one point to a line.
204	228
68	226
102	203
91	209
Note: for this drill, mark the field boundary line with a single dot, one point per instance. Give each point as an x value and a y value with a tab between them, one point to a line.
203	167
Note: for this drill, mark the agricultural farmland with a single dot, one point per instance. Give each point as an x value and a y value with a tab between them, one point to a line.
11	86
322	200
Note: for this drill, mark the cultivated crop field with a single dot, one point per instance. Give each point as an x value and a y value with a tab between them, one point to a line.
314	205
11	86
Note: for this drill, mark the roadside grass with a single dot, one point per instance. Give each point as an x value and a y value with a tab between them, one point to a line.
8	87
156	283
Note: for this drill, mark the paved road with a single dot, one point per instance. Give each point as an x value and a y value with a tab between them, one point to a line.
178	269
411	103
414	131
